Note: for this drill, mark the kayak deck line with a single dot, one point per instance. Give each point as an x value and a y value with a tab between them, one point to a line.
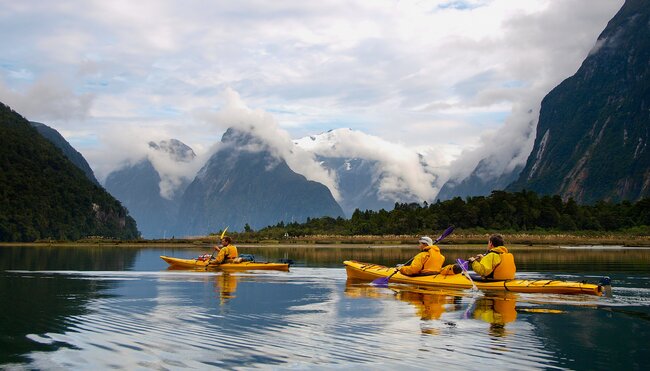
181	263
371	271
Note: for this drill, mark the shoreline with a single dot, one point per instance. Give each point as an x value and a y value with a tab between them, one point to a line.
516	241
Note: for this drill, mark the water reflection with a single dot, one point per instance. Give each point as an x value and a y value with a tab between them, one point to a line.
138	315
226	285
429	306
495	309
528	258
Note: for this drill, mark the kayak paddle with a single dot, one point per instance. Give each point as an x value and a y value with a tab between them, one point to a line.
463	265
212	256
383	281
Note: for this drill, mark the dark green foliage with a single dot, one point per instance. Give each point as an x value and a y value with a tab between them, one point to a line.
518	211
44	196
68	151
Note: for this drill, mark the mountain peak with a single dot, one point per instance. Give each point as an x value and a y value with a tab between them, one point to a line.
176	149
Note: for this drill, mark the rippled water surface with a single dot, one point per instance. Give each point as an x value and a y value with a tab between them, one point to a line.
110	307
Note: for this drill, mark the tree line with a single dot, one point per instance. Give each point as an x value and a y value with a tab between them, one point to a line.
511	211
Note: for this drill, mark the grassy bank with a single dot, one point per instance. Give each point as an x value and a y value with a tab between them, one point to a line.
457	238
467	239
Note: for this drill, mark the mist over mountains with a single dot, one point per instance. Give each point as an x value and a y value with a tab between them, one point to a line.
592	129
152	199
245	183
587	141
372	173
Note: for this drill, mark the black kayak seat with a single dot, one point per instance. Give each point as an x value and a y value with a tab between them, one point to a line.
477	278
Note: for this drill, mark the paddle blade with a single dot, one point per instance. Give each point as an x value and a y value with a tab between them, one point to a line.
444	234
381	281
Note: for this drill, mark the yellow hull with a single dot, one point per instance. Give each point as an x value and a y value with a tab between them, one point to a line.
178	263
370	272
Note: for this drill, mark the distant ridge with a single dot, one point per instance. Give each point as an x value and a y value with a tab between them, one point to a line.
244	183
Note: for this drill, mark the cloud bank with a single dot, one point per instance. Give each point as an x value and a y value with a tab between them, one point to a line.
404	171
461	76
235	114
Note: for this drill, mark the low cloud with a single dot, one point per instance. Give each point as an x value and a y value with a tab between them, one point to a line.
402	171
236	114
441	74
48	99
131	146
550	57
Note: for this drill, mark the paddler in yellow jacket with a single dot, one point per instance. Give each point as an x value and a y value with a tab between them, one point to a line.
427	262
497	263
227	253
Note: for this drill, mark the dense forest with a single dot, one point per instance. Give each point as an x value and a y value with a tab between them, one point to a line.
44	196
518	211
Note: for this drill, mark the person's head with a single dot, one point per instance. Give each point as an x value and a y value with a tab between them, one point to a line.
226	241
496	240
425	241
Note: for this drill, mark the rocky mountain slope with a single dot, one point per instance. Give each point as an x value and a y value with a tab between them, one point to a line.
593	131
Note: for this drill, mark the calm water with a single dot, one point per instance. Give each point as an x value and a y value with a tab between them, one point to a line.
100	308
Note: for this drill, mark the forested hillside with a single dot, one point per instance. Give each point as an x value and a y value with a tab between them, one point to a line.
43	195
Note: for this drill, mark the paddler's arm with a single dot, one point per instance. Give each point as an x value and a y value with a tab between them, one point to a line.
415	267
485	265
220	256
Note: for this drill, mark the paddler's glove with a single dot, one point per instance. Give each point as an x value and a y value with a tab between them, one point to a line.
471	260
398	266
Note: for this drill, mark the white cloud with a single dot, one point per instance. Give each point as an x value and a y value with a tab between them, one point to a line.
402	172
427	73
235	114
49	99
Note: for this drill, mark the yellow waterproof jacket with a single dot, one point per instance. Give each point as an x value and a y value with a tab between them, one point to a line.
429	261
227	254
497	264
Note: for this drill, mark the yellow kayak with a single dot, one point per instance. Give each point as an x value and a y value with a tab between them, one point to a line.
369	272
179	263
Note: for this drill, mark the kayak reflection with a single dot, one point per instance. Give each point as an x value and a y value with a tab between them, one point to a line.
430	306
225	286
496	309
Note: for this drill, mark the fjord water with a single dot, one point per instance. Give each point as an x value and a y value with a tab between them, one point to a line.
119	307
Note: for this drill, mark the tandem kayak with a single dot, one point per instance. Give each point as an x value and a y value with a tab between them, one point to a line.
370	272
248	265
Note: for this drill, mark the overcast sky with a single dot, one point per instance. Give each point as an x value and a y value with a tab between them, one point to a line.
438	75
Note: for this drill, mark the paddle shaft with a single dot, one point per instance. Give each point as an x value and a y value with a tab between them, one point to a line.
466	273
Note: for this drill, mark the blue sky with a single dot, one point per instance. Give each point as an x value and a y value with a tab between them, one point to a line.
442	75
